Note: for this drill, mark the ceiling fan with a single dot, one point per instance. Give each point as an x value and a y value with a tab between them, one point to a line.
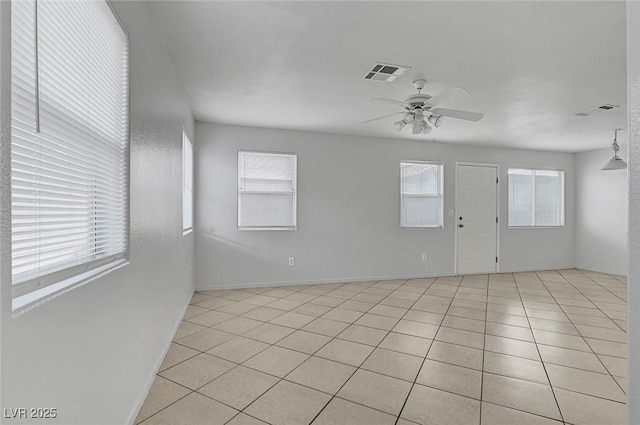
420	109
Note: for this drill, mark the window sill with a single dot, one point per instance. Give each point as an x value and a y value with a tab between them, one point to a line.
421	228
187	231
26	302
534	227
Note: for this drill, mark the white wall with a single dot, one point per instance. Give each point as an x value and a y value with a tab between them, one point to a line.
602	209
91	352
349	211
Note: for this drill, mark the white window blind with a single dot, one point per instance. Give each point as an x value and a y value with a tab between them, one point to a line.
69	141
187	184
536	198
421	195
266	191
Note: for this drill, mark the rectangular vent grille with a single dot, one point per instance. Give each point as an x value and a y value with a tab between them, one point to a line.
385	72
597	109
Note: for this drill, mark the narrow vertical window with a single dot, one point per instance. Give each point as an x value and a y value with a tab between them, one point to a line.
187	184
421	195
266	191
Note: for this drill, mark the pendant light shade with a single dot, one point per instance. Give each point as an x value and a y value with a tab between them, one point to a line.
615	163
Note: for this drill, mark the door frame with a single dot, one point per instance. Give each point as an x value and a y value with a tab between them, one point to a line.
455	220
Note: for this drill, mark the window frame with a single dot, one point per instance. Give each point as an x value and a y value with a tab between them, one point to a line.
185	140
48	285
440	165
294	190
533	214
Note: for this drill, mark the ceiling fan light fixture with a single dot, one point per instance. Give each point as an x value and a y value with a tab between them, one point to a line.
615	163
425	128
400	124
436	120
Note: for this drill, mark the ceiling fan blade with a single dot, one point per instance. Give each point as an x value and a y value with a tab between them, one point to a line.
447	95
455	113
385	100
382	117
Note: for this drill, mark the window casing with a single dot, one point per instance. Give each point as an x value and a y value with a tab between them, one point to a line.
69	144
187	184
536	198
266	191
421	195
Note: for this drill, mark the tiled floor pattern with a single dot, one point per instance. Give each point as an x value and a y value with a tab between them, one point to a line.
542	348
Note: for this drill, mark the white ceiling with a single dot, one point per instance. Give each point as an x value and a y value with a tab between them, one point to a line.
530	66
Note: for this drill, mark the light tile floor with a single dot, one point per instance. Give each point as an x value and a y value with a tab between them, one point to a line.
538	348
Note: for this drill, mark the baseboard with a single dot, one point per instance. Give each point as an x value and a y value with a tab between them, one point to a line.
140	402
213	287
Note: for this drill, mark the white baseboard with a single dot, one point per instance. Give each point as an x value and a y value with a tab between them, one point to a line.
140	402
213	287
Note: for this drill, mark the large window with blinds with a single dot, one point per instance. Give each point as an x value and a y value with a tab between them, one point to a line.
266	191
536	198
69	144
421	195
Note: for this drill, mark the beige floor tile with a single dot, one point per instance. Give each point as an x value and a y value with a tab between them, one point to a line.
307	342
507	319
560	340
327	301
239	387
386	310
376	321
499	415
205	339
177	353
263	314
458	336
313	310
292	320
359	306
276	361
429	406
194	409
614	335
553	326
197	371
394	364
286	305
586	382
242	419
238	349
435	308
397	302
269	333
288	404
448	377
210	318
547	315
407	344
260	300
326	327
363	335
321	374
340	315
193	310
615	365
187	328
347	352
571	358
515	367
344	412
237	308
521	395
161	394
422	330
238	325
512	347
614	349
378	391
456	354
580	409
464	324
623	383
213	303
424	317
508	331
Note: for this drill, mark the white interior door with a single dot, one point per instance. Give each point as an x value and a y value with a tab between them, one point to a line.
476	219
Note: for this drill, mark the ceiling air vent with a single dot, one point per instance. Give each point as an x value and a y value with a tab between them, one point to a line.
605	107
385	72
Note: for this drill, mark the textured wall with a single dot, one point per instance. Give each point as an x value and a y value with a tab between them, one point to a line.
602	206
349	210
91	352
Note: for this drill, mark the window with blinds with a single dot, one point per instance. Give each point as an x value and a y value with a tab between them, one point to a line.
421	195
187	184
536	198
69	142
266	191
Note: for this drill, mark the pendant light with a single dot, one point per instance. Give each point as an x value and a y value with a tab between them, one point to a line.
615	163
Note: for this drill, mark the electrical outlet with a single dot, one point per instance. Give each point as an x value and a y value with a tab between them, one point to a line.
424	256
292	261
